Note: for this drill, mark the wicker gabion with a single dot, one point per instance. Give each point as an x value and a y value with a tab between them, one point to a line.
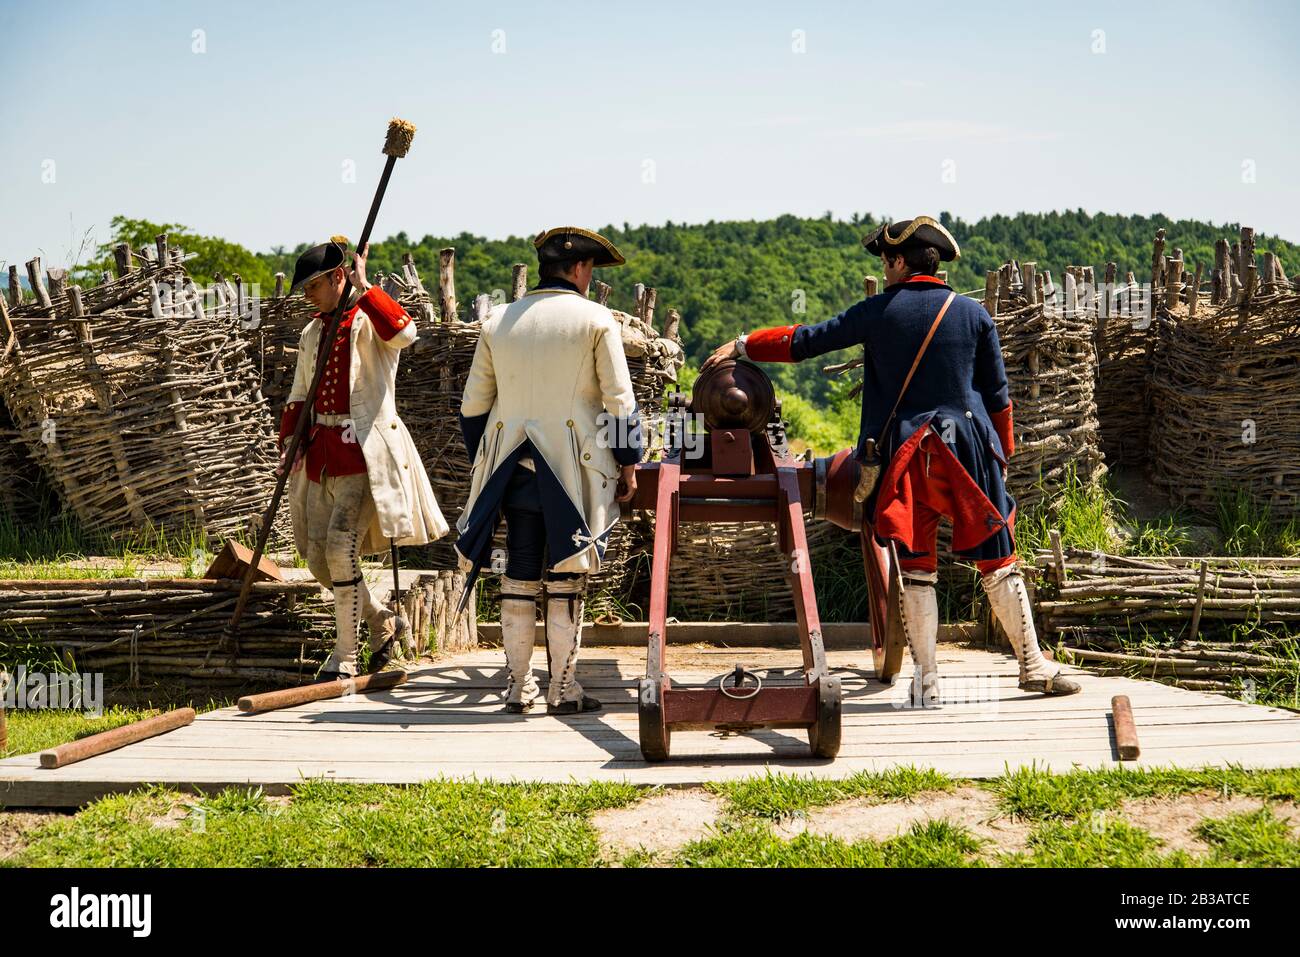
1047	346
733	571
1226	413
1224	373
23	489
1123	330
139	398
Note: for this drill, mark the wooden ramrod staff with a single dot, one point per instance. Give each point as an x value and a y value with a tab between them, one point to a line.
396	145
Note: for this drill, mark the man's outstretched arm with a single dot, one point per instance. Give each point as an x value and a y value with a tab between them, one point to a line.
796	342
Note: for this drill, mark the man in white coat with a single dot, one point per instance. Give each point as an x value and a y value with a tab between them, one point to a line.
360	487
551	425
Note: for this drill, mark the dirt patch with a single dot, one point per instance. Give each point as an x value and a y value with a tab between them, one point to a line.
663	823
1174	820
16	825
868	819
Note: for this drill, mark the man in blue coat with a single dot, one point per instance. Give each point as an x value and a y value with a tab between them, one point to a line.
943	441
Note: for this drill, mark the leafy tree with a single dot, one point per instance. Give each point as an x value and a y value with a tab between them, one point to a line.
212	255
728	277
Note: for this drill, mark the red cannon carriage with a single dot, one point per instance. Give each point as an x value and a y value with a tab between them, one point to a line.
738	469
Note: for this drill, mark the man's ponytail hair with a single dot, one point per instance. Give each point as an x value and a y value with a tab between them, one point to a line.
556	268
922	259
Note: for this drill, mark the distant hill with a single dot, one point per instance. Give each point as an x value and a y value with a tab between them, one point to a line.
726	277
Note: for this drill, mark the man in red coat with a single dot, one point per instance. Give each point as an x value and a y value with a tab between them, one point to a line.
944	436
360	486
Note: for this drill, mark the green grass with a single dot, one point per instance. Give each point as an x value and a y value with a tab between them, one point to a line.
1249	527
64	568
776	796
1084	514
1091	844
1074	818
1253	839
37	730
1037	796
434	824
1162	537
56	540
932	844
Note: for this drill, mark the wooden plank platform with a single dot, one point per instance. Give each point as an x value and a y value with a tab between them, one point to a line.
447	721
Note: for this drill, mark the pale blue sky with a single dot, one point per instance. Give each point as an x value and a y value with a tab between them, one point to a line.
248	139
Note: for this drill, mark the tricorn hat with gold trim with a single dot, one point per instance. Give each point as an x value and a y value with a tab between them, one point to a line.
574	243
319	260
911	233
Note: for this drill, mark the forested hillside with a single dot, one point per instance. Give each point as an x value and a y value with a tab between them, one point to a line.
726	277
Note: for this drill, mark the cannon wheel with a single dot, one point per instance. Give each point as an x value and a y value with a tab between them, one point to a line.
656	737
884	602
824	733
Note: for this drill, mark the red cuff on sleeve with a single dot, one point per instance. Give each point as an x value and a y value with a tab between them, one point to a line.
1002	423
770	345
385	314
289	422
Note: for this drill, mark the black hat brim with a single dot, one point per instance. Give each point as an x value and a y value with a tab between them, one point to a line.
570	243
911	234
316	262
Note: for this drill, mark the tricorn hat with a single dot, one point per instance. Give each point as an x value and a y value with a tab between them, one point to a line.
319	260
911	233
571	242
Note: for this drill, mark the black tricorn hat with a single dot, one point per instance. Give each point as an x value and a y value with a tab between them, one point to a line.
911	233
571	242
319	260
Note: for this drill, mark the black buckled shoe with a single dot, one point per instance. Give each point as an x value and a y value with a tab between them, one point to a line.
381	659
518	707
587	703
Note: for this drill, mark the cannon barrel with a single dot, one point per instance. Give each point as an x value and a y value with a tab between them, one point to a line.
734	395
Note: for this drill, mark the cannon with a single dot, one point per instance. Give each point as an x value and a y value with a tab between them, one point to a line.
736	467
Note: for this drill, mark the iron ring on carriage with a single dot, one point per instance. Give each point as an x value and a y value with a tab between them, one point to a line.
737	682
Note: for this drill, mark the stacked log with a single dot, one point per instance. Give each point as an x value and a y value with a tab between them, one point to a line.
1223	388
1099	594
139	398
1176	617
149	629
